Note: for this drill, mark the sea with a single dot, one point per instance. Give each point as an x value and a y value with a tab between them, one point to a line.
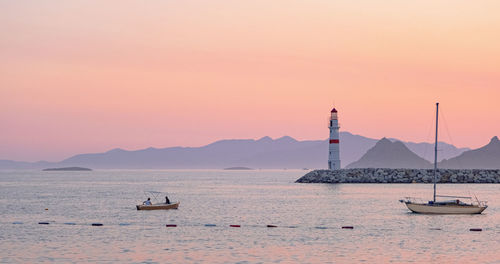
312	221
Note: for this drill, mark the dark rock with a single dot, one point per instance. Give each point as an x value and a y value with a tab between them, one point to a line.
385	175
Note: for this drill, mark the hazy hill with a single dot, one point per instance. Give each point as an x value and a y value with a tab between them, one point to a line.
387	154
263	153
426	150
10	164
487	157
284	152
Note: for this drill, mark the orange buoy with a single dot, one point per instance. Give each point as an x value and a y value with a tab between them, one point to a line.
46	209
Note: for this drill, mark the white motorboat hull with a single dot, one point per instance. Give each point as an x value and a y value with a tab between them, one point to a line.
158	206
444	209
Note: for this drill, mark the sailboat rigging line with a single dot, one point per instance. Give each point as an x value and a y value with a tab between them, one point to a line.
449	135
443	117
427	139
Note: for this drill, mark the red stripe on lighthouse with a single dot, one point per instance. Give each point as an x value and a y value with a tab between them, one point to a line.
334	141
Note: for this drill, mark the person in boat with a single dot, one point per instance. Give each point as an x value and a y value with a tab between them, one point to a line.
167	201
147	202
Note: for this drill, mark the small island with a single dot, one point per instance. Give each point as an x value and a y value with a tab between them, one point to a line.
68	169
238	168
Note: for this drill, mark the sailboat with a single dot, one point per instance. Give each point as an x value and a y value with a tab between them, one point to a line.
451	206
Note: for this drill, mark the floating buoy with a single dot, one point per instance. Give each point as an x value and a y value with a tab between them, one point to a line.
437	228
124	224
320	227
170	225
43	223
292	226
17	223
210	225
271	226
347	227
235	225
97	224
476	229
46	209
69	223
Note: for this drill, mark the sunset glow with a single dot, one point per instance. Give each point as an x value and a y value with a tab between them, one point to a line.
86	76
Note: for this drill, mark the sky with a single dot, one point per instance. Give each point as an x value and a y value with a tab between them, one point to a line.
90	76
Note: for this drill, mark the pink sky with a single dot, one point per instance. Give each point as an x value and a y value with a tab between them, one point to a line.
89	76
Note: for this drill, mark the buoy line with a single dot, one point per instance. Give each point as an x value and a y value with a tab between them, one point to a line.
269	226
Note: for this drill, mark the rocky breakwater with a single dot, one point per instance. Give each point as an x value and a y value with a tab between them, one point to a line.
382	175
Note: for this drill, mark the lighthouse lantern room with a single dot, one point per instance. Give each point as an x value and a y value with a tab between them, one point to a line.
334	149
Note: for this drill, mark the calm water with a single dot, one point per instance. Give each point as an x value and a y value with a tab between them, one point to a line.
309	219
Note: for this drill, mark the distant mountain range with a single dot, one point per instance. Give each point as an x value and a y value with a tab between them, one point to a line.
387	154
426	150
395	154
487	157
266	153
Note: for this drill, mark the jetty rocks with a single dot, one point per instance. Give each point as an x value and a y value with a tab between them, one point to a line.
384	175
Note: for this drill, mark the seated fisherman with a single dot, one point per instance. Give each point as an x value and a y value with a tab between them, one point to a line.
167	201
147	202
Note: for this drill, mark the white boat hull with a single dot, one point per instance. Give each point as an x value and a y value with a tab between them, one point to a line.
444	209
158	206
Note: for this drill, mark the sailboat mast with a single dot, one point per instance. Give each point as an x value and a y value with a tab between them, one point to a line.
436	151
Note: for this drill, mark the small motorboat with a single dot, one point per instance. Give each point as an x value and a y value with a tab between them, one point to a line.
147	205
158	206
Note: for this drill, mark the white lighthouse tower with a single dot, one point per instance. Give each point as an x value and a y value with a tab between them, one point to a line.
334	148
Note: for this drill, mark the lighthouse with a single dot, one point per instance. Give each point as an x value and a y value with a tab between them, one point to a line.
334	148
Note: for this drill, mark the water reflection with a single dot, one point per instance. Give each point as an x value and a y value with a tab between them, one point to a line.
384	230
